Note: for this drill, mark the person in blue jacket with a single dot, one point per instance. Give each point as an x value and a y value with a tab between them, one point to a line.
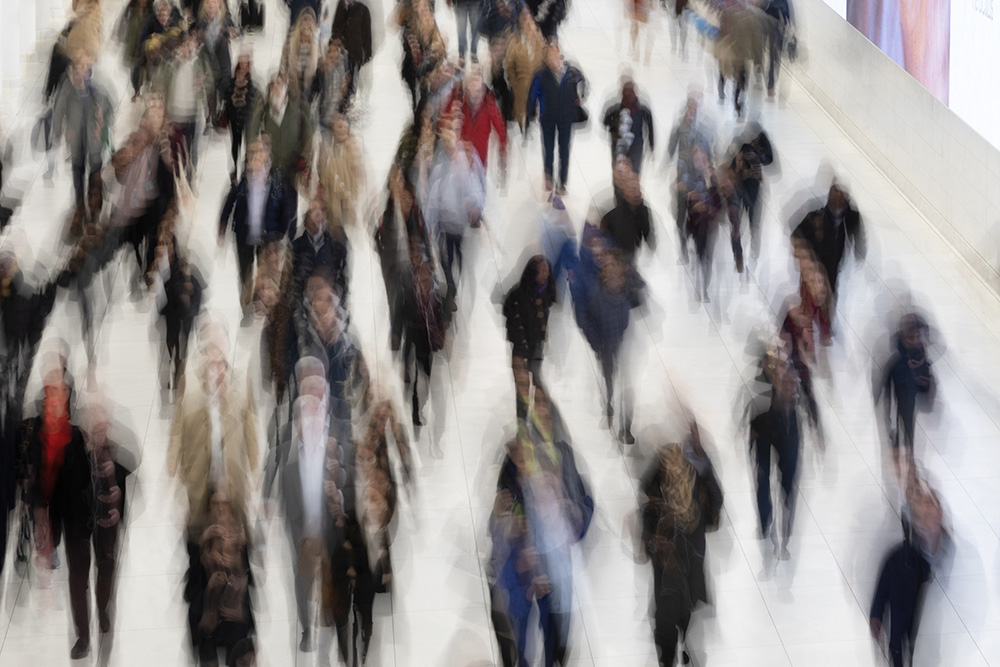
556	94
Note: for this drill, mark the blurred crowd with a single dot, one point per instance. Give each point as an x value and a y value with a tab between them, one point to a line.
319	438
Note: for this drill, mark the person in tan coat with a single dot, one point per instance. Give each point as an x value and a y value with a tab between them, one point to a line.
525	55
214	435
342	175
741	41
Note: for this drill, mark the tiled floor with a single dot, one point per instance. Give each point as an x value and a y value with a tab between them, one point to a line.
808	611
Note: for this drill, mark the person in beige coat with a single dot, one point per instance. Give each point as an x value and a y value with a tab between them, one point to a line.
741	41
342	176
214	441
525	55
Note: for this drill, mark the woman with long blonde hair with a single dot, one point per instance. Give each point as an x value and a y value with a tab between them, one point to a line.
682	500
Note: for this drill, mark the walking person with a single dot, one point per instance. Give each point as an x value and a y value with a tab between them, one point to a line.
557	93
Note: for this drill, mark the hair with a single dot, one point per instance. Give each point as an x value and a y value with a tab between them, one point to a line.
680	478
308	366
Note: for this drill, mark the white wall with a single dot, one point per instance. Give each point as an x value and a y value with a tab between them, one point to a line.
947	170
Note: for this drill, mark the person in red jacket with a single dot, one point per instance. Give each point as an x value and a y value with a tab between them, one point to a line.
480	117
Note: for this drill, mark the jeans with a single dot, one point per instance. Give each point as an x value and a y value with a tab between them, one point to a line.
788	461
467	13
565	131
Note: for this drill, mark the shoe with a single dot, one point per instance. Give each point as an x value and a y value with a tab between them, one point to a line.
81	649
561	191
739	266
628	438
306	645
685	658
104	622
475	59
610	412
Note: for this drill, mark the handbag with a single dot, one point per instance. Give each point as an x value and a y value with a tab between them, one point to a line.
581	115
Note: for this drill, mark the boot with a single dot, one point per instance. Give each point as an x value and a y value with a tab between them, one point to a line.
81	649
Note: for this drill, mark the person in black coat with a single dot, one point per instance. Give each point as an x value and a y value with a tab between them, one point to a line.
296	7
181	302
316	247
630	123
556	93
830	231
776	429
58	472
526	310
629	223
262	203
747	176
682	501
905	378
903	578
239	98
425	318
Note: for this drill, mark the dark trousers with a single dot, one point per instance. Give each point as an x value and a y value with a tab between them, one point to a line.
451	253
788	461
611	368
740	81
555	631
680	216
236	133
902	635
776	42
666	633
105	541
565	131
86	175
423	360
509	642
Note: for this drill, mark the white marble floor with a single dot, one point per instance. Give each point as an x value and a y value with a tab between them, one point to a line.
809	611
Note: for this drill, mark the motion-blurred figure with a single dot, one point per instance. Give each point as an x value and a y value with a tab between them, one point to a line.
557	93
630	123
904	575
682	500
775	429
904	385
691	132
526	311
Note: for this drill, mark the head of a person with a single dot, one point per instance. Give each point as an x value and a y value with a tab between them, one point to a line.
341	129
423	278
155	108
221	503
475	86
629	96
211	9
326	311
334	48
258	157
163	10
613	272
837	199
305	25
691	108
214	346
701	159
539	267
81	67
315	218
315	386
55	402
912	331
515	450
308	367
553	55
